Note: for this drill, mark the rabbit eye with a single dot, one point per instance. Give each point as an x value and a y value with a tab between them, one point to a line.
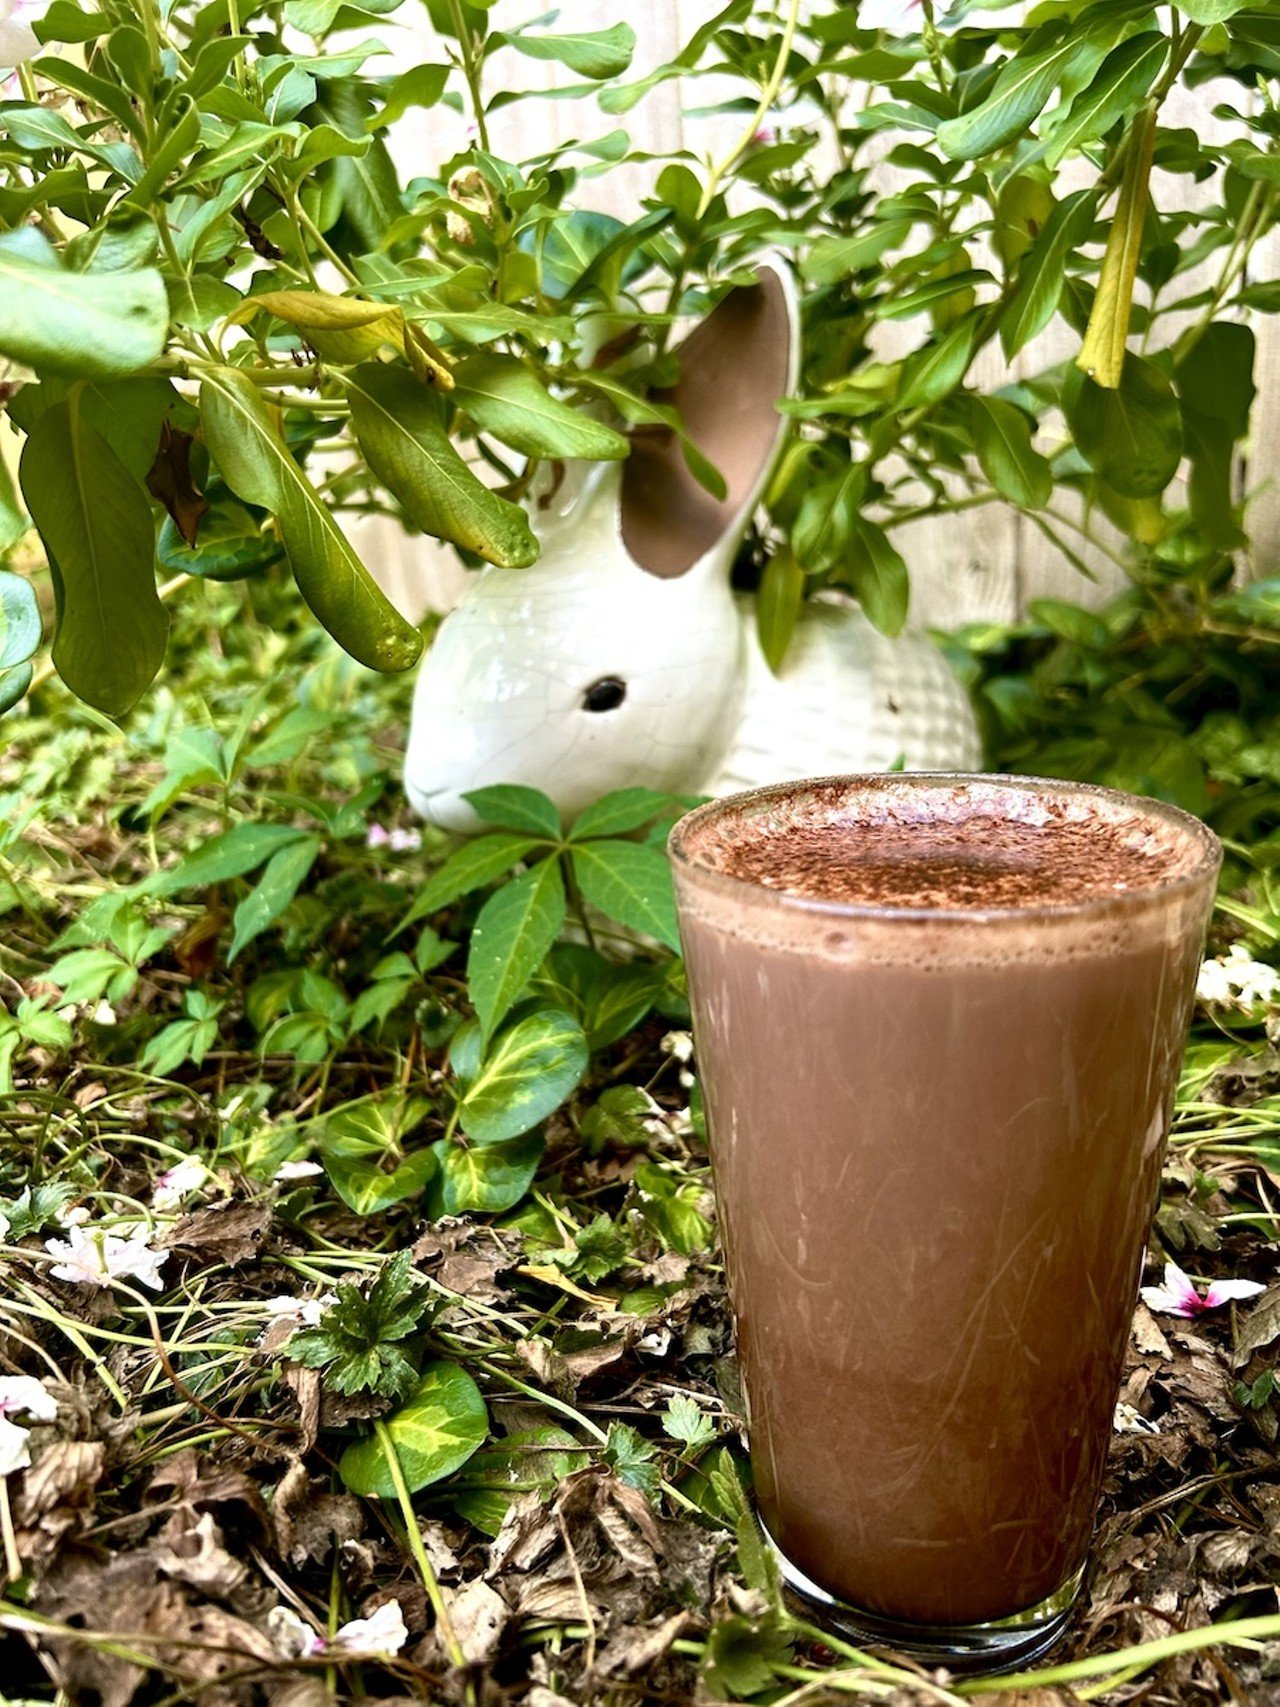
605	695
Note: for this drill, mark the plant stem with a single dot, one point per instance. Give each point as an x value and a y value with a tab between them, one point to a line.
412	1534
471	71
767	97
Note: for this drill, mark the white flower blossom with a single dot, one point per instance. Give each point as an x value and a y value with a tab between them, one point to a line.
178	1182
382	1635
18	41
21	1395
1237	980
300	1312
679	1044
15	1445
104	1013
1129	1420
297	1170
74	1215
91	1257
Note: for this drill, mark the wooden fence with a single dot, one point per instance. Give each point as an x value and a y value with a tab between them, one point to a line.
981	564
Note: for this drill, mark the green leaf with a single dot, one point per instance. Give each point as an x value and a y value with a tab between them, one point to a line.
420	86
400	431
1021	89
483	1179
778	605
340	328
1212	11
80	324
511	806
1132	435
591	53
341	593
527	1073
95	521
503	398
472	866
934	371
279	883
355	1143
877	574
684	1421
433	1434
1043	271
629	882
834	258
1002	442
632	1459
624	810
1103	351
1123	78
231	854
20	626
1216	390
515	928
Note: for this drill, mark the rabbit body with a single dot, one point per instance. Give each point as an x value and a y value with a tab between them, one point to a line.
847	698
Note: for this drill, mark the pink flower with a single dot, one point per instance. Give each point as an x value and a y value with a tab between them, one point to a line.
1178	1296
18	41
380	1636
377	836
18	1394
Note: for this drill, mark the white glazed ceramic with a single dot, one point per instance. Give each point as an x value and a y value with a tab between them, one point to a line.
502	693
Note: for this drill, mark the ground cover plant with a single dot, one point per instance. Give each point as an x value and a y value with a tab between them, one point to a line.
363	1327
363	1332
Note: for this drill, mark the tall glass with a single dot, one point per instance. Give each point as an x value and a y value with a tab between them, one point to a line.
939	1021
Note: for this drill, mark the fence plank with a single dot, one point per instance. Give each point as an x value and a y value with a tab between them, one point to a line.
980	564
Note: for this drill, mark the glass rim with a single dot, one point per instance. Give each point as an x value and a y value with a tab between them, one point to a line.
1164	889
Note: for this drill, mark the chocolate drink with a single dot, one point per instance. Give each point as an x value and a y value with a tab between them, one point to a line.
939	1023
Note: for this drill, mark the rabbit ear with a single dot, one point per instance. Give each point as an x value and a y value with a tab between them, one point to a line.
735	368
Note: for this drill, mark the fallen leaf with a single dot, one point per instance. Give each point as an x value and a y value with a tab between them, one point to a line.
228	1232
479	1616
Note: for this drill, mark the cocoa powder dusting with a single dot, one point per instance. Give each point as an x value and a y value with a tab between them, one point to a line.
961	850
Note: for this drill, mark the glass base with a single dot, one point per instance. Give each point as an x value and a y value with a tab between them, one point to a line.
997	1645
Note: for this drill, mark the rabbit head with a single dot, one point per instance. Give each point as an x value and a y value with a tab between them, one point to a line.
618	658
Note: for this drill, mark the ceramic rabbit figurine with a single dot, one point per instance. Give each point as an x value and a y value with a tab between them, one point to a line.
621	657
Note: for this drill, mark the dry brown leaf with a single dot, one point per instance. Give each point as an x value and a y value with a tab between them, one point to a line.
479	1616
229	1232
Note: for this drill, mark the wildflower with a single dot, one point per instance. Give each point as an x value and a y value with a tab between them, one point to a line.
297	1170
103	1013
1238	980
1178	1297
91	1257
74	1215
18	41
381	1635
21	1394
300	1312
178	1182
292	1635
679	1044
398	840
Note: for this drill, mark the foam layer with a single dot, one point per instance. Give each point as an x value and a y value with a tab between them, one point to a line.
892	842
837	867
